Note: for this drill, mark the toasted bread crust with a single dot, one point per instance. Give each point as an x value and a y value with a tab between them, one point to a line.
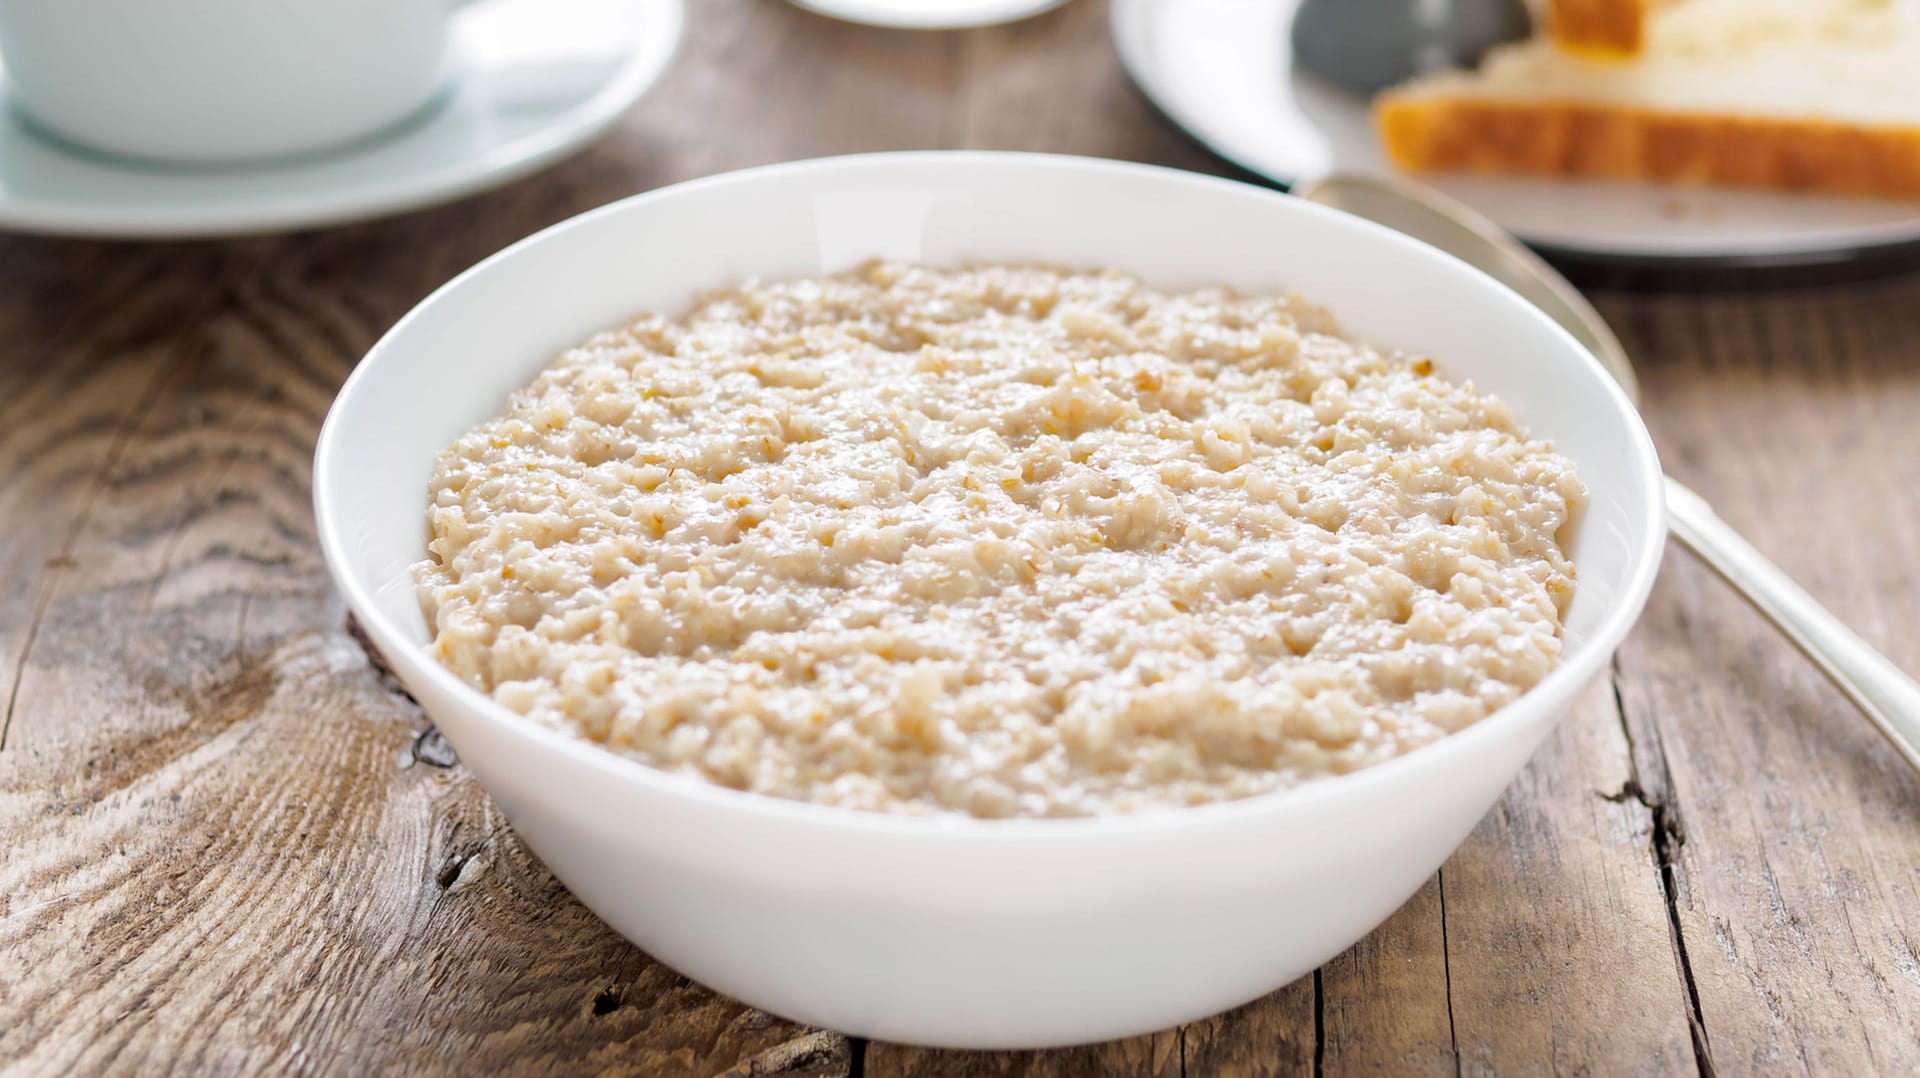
1436	132
1612	27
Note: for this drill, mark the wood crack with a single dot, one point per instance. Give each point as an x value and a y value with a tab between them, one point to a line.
1446	969
40	603
64	557
1667	838
1319	1027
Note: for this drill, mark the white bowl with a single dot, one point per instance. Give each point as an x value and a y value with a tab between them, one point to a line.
964	932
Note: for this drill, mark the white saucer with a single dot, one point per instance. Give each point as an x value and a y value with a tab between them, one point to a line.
928	14
1223	70
536	79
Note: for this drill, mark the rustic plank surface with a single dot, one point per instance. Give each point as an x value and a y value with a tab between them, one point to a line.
227	844
1788	829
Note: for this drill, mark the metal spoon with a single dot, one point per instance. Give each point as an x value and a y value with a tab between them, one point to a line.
1886	694
1369	45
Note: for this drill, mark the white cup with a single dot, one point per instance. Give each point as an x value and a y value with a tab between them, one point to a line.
222	80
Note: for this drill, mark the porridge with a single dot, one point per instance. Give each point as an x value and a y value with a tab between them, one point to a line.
1003	540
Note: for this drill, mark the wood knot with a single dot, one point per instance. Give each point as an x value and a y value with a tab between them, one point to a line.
431	748
449	873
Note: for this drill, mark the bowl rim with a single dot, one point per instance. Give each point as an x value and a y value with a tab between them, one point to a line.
412	661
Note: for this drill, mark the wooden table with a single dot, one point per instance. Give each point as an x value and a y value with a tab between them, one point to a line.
228	844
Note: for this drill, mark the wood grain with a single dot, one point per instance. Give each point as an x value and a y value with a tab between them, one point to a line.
215	808
230	845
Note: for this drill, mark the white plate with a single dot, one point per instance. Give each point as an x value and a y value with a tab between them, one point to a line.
1223	70
928	14
535	79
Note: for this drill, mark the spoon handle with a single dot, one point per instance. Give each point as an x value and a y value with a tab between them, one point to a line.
1887	695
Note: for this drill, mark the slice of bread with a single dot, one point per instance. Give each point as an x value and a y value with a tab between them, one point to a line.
1799	94
1602	27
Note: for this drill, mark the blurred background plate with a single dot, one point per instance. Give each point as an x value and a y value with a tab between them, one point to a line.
1223	71
535	80
928	14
